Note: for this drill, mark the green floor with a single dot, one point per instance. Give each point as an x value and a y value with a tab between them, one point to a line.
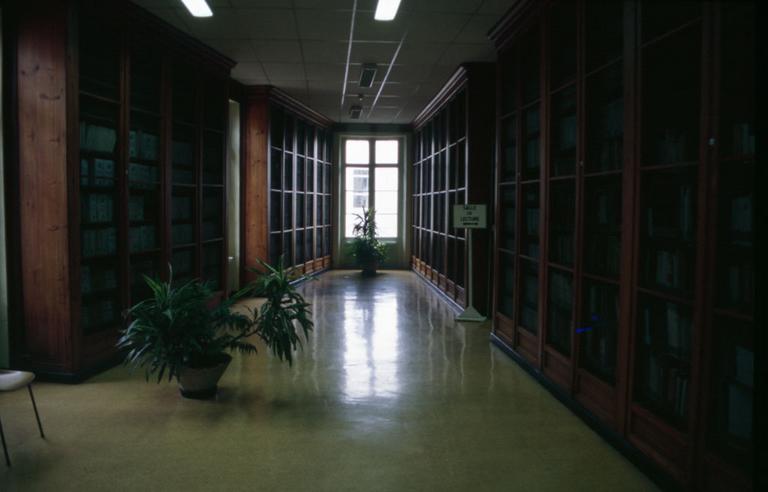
390	394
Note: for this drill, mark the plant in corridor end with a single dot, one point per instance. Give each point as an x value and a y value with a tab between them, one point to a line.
182	332
366	248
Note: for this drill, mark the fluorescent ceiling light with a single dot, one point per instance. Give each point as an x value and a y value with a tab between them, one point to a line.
198	8
386	10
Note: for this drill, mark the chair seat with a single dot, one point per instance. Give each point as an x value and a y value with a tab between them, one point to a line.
13	380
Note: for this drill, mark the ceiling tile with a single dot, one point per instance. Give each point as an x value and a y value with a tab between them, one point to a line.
245	24
285	71
476	30
325	25
237	49
413	53
463	6
496	7
325	51
277	51
460	53
325	71
248	70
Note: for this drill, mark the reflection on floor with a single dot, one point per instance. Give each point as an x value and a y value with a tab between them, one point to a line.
389	395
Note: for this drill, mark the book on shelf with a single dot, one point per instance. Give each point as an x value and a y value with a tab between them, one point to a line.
654	377
743	139
740	407
532	154
686	212
97	138
104	172
567	139
149	148
741	214
673	326
744	366
647	326
667	269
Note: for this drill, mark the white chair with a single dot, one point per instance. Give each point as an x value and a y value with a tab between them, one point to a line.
11	381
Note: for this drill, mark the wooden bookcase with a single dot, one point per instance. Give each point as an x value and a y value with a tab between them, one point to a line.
453	165
288	169
127	173
624	197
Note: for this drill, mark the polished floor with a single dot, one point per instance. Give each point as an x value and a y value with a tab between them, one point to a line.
390	394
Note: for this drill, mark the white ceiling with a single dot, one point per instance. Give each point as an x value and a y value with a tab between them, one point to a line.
301	47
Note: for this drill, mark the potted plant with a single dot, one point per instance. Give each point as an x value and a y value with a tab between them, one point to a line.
180	331
366	247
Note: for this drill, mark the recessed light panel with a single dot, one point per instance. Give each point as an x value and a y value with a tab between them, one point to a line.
386	10
198	8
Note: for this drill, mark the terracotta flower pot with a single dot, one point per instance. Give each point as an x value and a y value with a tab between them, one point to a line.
201	383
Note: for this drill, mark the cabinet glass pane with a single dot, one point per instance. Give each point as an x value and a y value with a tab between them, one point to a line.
275	208
562	36
288	211
560	311
506	285
663	358
529	296
183	154
212	213
671	98
562	221
213	158
299	210
184	95
276	169
183	264
529	240
508	70
212	264
309	207
737	82
182	216
99	59
152	267
598	329
310	175
531	139
507	218
276	118
509	149
275	247
562	146
668	231
144	216
529	65
288	171
605	119
300	168
735	264
602	225
604	33
145	80
732	423
299	249
657	18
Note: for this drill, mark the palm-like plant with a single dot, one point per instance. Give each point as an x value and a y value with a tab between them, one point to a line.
176	327
366	247
284	306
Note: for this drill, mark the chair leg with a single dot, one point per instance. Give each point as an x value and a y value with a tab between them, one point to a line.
37	416
5	448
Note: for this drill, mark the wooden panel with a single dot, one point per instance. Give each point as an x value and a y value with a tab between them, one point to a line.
557	368
253	188
528	345
715	475
598	397
663	444
43	185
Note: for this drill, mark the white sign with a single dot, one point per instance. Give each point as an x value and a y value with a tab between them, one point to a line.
469	216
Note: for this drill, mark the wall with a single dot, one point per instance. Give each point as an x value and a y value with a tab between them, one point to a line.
233	197
4	351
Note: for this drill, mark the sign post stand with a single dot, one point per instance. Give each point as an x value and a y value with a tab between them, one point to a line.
469	217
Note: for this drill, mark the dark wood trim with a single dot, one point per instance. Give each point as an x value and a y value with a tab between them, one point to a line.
516	19
452	86
289	102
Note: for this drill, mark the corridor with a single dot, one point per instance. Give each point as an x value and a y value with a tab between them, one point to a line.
389	394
